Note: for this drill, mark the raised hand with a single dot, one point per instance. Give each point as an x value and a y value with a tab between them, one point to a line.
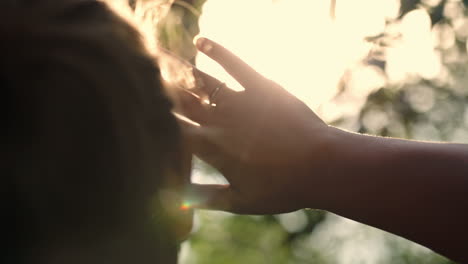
265	141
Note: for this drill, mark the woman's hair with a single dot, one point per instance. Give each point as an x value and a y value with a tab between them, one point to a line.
88	134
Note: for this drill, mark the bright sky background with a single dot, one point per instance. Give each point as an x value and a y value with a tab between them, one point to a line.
295	43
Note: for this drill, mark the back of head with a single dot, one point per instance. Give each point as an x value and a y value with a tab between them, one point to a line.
89	133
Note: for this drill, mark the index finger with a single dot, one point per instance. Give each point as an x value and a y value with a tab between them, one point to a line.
237	68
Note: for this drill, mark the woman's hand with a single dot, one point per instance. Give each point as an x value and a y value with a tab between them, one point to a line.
266	142
278	156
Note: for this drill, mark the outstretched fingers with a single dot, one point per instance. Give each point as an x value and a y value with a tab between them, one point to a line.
236	67
192	106
202	142
207	85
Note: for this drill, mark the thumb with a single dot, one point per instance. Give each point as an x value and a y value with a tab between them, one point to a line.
209	196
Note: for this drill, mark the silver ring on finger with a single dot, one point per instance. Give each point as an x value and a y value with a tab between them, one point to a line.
214	94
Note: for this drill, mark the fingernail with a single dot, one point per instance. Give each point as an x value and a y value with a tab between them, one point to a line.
204	45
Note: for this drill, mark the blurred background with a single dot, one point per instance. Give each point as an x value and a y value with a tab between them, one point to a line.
393	68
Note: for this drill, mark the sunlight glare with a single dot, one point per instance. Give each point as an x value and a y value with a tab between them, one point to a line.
295	43
414	55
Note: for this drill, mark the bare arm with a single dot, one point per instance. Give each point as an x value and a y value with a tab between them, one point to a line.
278	156
417	190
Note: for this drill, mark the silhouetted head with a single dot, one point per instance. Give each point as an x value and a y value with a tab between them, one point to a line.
89	140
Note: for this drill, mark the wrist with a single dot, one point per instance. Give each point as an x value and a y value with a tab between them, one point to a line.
323	174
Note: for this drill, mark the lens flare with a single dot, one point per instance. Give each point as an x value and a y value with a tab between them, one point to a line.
185	206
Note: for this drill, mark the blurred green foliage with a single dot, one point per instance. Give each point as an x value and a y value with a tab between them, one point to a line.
180	26
428	109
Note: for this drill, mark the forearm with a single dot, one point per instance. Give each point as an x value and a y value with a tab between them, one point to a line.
413	189
278	156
